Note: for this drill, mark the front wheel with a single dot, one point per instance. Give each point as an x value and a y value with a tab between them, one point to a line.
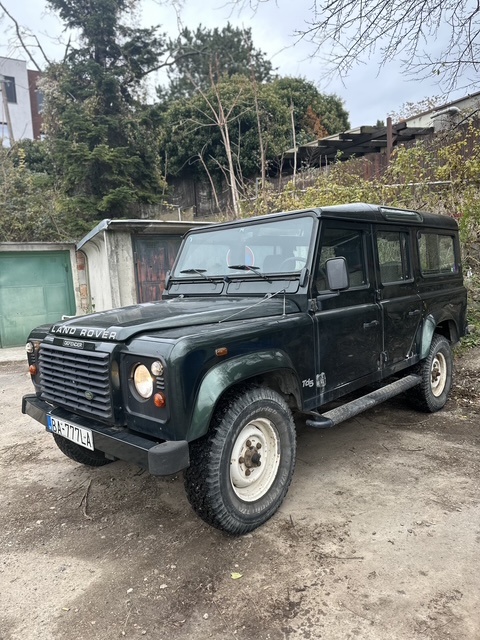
436	373
240	471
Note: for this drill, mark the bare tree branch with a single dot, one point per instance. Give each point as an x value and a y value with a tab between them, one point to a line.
432	37
21	39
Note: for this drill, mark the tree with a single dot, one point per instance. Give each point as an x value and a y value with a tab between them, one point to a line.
32	206
431	37
99	131
257	119
313	109
206	54
215	133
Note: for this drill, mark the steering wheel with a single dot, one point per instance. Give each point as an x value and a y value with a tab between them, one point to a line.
292	260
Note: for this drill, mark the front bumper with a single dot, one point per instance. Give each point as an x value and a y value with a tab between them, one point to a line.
160	459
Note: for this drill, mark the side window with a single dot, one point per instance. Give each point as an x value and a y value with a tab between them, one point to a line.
437	254
347	243
10	88
393	256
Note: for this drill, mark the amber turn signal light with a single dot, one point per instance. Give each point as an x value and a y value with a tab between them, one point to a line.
33	370
159	400
221	351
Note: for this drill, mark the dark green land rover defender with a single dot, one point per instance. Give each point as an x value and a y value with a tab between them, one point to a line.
262	318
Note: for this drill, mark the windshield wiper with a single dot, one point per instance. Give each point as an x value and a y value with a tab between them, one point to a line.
199	272
252	268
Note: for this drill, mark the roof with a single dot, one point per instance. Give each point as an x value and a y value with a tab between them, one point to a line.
140	226
356	142
367	139
363	212
382	214
445	106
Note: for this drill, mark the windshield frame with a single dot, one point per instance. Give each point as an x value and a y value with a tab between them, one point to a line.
246	273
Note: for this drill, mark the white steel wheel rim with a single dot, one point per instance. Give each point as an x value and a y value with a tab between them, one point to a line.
255	460
438	374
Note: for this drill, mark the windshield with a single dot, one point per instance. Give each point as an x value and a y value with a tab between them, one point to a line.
276	247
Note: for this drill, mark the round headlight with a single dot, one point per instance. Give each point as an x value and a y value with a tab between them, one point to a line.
29	348
143	381
157	368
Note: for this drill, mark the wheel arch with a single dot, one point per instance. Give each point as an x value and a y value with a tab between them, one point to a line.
447	327
272	369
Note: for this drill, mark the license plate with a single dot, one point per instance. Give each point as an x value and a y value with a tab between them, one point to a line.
70	431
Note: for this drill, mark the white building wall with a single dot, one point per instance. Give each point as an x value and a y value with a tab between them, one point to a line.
20	112
444	117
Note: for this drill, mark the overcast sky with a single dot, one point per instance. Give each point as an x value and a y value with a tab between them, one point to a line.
368	93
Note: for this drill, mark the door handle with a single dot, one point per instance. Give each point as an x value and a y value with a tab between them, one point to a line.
373	323
414	313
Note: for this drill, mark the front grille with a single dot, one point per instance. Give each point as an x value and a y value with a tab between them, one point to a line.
67	375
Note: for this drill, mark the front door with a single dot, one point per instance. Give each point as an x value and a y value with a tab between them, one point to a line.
348	325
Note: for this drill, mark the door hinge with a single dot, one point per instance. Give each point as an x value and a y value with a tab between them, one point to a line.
321	380
313	305
383	358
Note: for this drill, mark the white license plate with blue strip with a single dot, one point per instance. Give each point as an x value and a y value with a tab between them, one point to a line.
71	431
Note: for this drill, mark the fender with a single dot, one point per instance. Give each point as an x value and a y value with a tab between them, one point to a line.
428	330
226	374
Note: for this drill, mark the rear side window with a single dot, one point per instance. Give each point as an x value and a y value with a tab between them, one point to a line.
393	256
437	254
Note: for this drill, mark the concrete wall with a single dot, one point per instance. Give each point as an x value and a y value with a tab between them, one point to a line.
110	271
122	268
20	112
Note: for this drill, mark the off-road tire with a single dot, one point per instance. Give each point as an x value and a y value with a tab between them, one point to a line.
210	480
80	454
436	373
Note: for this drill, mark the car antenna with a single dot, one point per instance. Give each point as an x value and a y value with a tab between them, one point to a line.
266	297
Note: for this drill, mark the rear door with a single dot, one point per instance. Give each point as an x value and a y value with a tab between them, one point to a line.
397	295
348	325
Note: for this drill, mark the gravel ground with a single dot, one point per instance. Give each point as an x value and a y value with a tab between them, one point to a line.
378	538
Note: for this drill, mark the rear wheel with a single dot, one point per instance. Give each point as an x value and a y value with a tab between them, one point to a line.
240	471
436	372
80	454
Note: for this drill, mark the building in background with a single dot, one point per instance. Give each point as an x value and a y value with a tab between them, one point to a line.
21	102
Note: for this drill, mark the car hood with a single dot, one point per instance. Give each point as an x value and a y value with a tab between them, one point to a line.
120	325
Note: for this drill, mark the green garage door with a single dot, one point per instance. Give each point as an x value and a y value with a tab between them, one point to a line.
35	288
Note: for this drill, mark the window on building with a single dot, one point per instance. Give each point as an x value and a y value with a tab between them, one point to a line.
4	135
10	88
39	101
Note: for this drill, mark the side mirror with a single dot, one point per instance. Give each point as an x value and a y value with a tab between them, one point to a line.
337	274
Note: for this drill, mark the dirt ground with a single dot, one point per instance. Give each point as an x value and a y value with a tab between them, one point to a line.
378	539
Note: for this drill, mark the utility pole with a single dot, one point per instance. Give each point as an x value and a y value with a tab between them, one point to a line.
6	109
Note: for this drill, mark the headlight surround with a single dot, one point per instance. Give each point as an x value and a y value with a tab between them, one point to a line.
143	381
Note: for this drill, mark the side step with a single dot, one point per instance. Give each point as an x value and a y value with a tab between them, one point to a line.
344	412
